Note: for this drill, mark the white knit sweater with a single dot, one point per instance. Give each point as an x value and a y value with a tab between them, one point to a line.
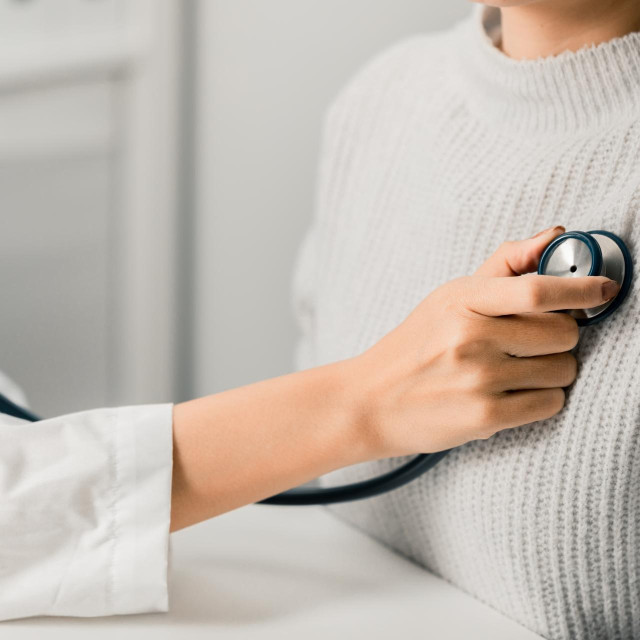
440	149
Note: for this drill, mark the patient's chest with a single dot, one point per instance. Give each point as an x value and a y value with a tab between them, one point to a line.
530	520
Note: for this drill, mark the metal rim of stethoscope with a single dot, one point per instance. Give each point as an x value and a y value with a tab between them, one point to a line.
597	265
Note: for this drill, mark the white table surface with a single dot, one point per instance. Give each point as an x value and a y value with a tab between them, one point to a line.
277	573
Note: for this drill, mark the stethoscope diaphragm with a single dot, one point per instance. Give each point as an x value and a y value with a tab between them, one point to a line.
594	253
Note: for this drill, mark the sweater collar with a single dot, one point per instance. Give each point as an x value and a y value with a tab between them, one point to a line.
562	95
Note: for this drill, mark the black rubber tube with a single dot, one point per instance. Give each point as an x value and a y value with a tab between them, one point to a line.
12	409
360	490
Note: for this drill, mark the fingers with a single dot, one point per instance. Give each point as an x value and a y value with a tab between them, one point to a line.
517	408
537	372
534	293
534	334
516	258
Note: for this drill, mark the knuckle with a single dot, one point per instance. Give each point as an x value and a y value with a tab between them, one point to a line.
450	308
507	247
487	416
479	375
562	330
588	291
560	369
470	348
461	334
543	405
570	329
451	295
535	293
556	400
460	285
488	373
571	368
461	358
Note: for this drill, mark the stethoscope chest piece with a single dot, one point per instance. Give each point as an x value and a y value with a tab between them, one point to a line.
594	253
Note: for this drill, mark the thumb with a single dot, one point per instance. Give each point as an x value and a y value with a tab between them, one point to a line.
516	258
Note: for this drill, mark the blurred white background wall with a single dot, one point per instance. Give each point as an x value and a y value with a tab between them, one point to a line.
89	140
267	69
157	173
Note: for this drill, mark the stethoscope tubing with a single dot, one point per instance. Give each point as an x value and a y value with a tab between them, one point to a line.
408	472
16	411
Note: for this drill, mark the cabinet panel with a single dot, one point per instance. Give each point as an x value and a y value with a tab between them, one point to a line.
56	193
89	113
58	120
24	20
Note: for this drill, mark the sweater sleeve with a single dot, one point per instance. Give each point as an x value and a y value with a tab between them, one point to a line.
85	512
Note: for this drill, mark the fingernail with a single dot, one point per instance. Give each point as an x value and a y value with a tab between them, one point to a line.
610	290
558	228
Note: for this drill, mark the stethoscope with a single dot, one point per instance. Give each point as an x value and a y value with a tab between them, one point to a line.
570	255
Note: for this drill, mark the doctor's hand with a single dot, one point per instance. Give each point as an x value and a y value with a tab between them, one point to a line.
478	355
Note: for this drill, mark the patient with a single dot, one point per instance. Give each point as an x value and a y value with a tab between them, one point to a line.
440	149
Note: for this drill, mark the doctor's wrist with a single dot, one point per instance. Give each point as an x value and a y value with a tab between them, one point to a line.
361	381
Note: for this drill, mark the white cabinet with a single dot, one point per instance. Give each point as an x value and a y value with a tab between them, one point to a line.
55	198
37	19
88	136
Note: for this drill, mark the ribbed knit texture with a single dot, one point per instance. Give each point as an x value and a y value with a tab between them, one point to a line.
440	149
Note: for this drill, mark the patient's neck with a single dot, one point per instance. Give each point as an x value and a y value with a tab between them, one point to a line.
548	27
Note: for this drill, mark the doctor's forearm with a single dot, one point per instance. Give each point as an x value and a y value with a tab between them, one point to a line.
478	355
246	444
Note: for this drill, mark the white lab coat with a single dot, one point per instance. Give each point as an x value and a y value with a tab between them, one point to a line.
84	511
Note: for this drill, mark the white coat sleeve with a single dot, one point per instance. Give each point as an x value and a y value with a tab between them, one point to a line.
85	512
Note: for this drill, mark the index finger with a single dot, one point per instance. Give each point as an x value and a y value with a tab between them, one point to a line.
535	293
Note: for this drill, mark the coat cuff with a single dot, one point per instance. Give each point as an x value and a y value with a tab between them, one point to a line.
144	463
85	511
